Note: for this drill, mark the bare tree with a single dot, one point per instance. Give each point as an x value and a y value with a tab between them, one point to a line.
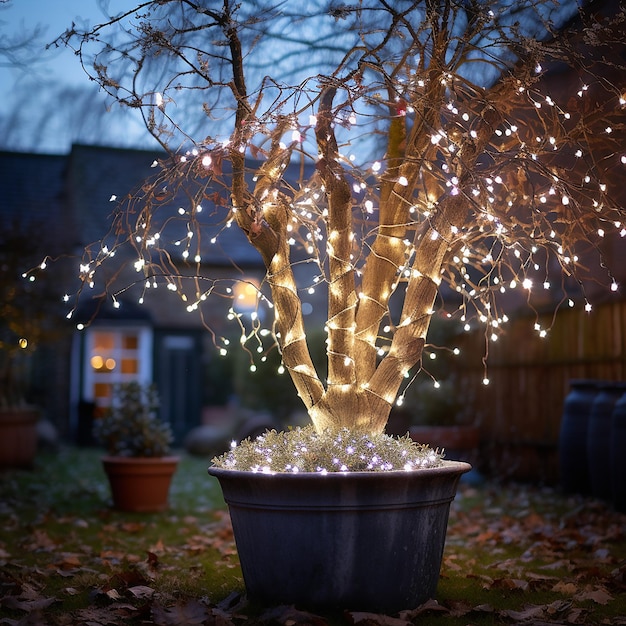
49	117
18	47
489	180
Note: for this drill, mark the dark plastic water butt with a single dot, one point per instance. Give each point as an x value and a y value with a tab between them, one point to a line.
599	439
618	454
573	465
365	541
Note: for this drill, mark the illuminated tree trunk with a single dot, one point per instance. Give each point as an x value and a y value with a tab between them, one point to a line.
449	84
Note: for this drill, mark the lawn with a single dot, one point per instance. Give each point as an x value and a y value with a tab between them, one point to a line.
514	554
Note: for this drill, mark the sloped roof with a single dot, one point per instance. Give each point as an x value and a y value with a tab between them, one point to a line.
69	198
95	174
32	193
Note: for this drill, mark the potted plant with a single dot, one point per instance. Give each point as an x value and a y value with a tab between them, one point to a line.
18	418
386	160
138	463
29	320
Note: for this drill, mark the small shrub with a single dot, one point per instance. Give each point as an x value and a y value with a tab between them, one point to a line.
132	427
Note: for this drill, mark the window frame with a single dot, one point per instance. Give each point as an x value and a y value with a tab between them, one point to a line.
143	354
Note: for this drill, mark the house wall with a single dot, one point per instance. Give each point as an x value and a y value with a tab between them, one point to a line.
94	175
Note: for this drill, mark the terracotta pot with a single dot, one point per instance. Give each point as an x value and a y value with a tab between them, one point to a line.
367	541
18	437
140	484
459	442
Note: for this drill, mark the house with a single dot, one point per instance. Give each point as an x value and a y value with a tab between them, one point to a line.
151	337
145	333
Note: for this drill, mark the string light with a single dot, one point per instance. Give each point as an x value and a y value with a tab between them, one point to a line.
519	226
336	451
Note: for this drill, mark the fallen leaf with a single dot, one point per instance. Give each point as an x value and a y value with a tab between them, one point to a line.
530	612
68	561
152	560
141	591
158	547
375	619
450	562
426	607
512	584
27	604
103	616
290	616
558	564
41	541
133	527
558	606
459	608
113	594
568	588
599	596
575	616
189	613
112	555
602	554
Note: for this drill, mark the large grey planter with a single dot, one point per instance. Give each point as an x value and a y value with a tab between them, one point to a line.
370	541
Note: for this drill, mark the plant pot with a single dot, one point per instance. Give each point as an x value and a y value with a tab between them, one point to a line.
140	484
369	541
458	442
618	458
573	464
599	437
18	437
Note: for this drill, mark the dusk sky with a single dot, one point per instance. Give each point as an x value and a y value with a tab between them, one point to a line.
50	103
30	93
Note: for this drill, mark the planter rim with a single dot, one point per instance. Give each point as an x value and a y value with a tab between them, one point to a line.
10	413
446	467
22	408
444	426
139	459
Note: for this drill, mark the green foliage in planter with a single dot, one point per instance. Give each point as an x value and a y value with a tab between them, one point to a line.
305	450
132	427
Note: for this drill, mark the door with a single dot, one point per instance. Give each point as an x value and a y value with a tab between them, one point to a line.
109	354
177	374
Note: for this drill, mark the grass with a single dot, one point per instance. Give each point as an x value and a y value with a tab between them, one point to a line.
513	553
57	527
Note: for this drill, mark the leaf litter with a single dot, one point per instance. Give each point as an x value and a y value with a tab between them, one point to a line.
514	555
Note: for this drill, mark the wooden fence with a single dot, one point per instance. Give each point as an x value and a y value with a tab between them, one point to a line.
519	412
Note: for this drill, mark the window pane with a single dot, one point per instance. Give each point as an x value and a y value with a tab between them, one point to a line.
130	342
130	366
102	390
103	341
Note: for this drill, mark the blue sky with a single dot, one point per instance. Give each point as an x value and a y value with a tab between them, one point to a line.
28	93
54	17
50	104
